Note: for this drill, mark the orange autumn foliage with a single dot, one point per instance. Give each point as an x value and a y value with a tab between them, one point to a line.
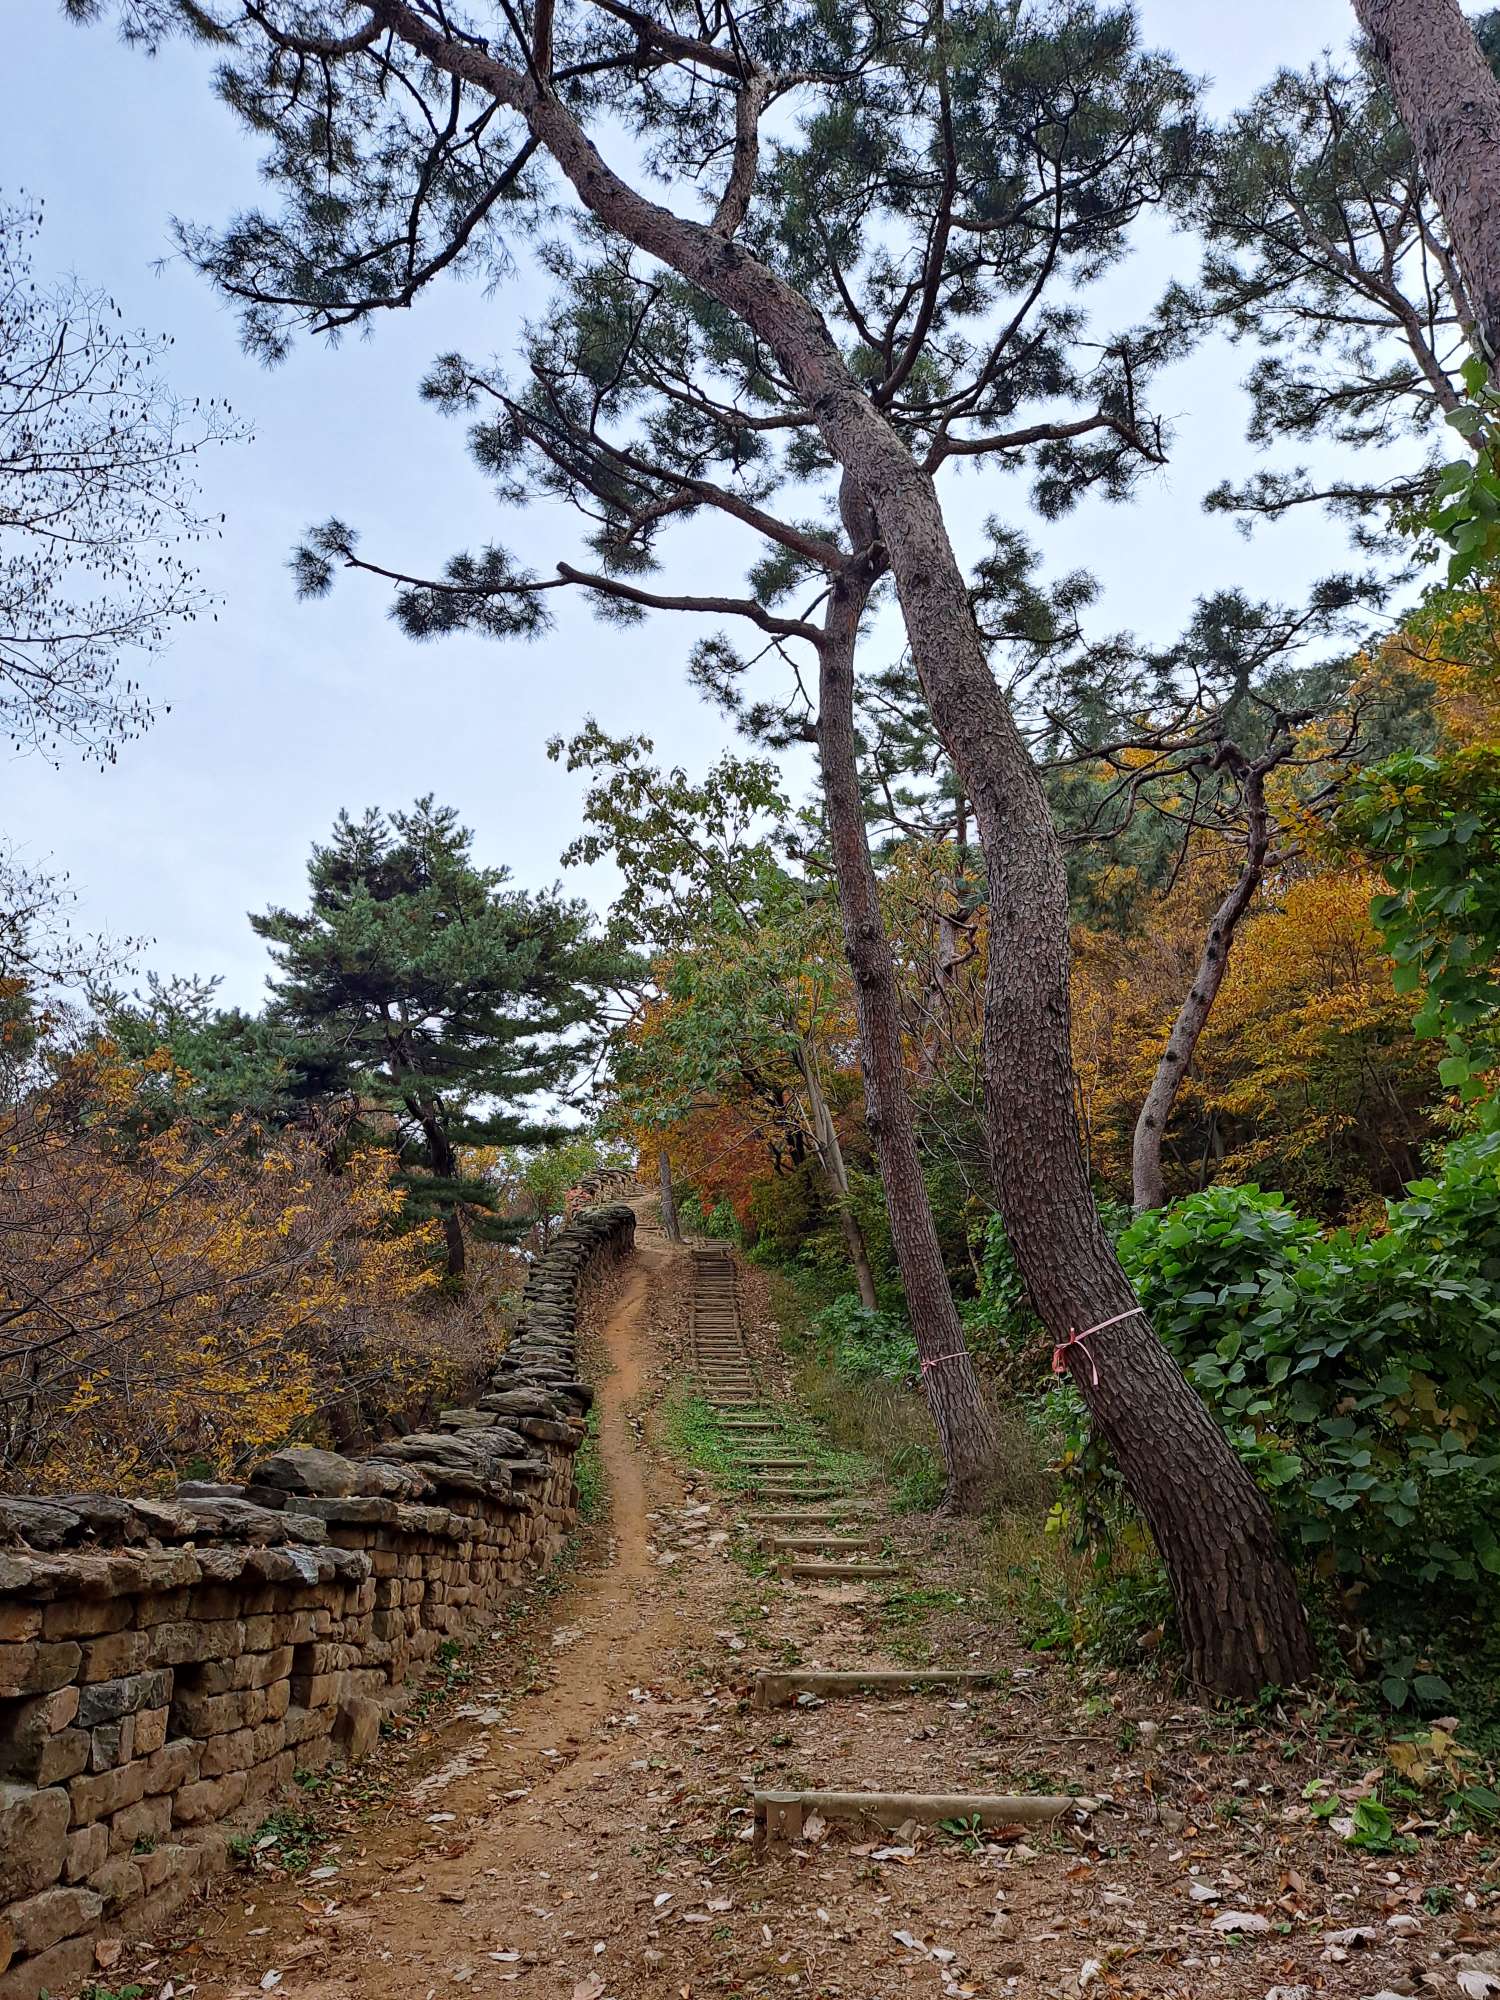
174	1299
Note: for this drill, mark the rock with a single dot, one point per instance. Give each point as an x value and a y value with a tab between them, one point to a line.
39	1523
226	1521
358	1727
107	1701
118	1882
30	1727
33	1839
37	1666
88	1849
107	1793
45	1920
61	1970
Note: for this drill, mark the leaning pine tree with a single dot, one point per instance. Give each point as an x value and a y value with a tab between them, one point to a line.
442	122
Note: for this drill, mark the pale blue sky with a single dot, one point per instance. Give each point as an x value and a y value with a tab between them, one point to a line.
284	712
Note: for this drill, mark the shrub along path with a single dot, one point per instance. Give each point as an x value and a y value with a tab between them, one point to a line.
593	1833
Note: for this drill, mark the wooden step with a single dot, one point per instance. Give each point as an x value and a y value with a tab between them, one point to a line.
834	1544
838	1572
779	1816
779	1687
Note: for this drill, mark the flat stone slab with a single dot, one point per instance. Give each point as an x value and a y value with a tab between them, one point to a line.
780	1687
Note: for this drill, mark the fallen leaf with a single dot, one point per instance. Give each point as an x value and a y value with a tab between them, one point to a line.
1240	1920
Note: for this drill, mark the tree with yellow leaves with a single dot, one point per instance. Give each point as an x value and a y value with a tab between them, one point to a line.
173	1299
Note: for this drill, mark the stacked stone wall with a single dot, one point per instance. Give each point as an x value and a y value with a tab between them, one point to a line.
168	1666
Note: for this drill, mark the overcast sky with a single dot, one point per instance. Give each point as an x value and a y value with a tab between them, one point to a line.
284	712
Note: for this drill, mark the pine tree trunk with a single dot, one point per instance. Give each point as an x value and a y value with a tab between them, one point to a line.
669	1220
1149	1186
964	1429
443	1163
1237	1603
1449	100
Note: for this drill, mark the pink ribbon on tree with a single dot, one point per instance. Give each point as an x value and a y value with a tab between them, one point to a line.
1076	1339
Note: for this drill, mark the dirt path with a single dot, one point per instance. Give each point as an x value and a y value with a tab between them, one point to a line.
589	1839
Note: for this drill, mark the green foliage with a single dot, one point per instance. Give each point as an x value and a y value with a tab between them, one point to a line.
863	1346
588	1473
1463	509
538	1179
424	990
697	1220
1002	1328
1358	1375
1433	827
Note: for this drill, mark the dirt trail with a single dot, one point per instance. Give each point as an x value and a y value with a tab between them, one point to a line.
426	1897
589	1838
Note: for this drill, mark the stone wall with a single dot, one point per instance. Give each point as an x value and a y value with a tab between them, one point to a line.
604	1184
166	1665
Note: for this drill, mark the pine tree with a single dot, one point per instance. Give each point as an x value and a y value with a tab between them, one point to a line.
441	1000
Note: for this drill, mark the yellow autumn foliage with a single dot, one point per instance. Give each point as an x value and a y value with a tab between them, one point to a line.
175	1301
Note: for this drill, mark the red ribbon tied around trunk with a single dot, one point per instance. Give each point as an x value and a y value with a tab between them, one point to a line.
958	1354
1076	1339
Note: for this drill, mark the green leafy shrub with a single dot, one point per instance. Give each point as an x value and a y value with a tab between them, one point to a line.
861	1345
1433	825
1358	1375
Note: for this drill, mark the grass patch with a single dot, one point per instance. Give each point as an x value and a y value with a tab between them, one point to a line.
904	1612
1110	1601
693	1431
588	1473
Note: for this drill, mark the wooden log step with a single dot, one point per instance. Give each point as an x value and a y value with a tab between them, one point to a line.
811	1517
838	1572
764	1492
779	1816
780	1687
836	1544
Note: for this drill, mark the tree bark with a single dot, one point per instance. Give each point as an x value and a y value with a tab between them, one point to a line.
963	1424
1242	1625
669	1220
444	1163
1449	100
1148	1181
830	1153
